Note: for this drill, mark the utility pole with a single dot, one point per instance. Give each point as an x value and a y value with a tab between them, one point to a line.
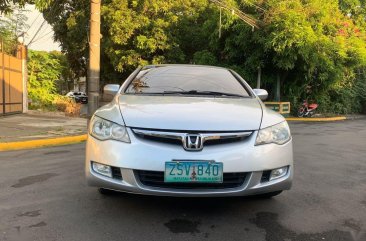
94	58
259	77
22	53
278	88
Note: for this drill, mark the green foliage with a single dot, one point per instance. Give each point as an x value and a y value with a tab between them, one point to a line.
204	57
45	69
141	32
323	47
316	47
11	26
8	6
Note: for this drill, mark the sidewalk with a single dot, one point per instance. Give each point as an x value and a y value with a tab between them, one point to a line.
40	129
36	126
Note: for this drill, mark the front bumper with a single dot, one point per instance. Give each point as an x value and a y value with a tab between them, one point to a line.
147	155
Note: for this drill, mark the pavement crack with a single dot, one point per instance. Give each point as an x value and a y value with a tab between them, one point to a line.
37	225
34	213
56	152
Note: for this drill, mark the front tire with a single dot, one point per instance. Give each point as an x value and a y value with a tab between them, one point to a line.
269	195
106	192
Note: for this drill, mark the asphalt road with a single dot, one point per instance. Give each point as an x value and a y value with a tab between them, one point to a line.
43	196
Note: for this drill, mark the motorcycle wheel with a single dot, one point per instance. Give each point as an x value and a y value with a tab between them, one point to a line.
300	113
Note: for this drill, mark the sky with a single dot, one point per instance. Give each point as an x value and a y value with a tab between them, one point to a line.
44	39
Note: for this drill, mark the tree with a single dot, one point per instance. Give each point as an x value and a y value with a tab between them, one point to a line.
45	70
11	26
318	47
315	48
134	33
7	6
312	46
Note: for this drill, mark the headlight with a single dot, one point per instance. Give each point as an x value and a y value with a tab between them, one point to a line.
278	134
107	130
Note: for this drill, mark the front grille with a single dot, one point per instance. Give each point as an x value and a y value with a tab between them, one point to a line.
116	173
179	138
224	141
161	139
156	179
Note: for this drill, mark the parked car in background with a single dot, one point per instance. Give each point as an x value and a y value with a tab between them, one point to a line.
187	130
78	96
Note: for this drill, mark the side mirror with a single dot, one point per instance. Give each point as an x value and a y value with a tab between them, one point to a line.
261	93
109	91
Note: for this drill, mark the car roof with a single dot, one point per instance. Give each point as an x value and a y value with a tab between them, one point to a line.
182	65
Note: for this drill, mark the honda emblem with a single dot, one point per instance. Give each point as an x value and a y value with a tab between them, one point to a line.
193	142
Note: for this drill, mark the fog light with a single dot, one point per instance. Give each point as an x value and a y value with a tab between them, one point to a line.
102	169
277	173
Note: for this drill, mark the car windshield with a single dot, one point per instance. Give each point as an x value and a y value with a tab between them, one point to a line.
186	80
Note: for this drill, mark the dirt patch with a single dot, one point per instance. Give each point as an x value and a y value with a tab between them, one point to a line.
34	179
183	226
276	232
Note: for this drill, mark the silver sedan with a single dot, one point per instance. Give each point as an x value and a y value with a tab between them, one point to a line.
188	130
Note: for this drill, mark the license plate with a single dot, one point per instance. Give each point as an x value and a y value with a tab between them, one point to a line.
193	171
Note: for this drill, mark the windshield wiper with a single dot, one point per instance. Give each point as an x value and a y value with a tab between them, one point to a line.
197	92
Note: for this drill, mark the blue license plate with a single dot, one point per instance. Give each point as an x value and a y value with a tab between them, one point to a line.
193	171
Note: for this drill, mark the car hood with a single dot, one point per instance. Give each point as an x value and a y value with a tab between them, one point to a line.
190	113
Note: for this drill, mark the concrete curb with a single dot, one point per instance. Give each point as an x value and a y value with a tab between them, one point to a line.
325	119
8	146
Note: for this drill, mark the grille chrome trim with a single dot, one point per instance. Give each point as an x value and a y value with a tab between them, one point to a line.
182	136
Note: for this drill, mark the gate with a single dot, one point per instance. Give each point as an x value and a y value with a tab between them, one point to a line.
11	83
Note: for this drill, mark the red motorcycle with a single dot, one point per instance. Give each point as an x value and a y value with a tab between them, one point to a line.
306	109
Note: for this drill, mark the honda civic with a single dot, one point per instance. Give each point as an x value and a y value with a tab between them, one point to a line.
188	130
